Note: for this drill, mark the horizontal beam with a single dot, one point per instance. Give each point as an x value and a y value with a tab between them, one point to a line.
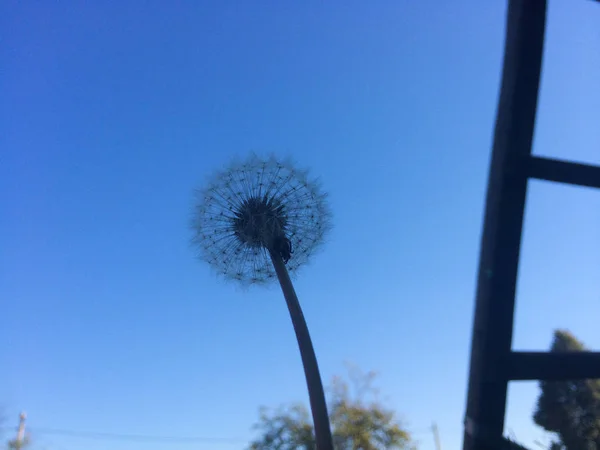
564	172
550	366
512	445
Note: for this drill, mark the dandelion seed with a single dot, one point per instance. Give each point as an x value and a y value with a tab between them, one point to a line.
256	205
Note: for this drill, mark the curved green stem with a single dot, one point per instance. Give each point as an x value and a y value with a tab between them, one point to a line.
316	393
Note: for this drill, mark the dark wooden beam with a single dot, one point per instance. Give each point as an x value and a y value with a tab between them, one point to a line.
564	172
549	366
503	222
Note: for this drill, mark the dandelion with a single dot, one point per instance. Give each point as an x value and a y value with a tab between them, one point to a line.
254	223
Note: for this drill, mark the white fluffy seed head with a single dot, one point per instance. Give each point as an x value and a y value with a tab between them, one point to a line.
245	207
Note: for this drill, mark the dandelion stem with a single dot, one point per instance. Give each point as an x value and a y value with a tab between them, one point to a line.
309	360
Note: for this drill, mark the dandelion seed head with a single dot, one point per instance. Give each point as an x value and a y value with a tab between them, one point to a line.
245	208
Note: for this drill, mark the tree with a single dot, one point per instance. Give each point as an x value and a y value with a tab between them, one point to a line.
18	445
571	409
358	422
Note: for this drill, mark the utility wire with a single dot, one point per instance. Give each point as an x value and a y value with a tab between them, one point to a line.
135	437
94	435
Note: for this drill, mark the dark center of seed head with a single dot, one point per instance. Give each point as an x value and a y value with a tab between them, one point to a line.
258	221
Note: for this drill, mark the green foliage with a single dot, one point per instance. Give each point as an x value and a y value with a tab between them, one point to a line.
15	445
571	409
288	428
358	422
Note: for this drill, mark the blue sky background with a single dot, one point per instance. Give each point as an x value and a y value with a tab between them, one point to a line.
113	112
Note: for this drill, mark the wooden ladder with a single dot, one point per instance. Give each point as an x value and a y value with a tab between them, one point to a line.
493	362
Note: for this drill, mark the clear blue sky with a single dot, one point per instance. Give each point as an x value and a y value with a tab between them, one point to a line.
112	112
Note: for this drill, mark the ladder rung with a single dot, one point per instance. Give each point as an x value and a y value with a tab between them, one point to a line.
564	171
554	366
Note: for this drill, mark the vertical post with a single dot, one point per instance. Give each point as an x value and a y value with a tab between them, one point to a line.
19	441
436	436
316	393
500	243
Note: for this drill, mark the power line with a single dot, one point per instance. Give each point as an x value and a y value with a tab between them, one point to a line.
95	435
136	437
